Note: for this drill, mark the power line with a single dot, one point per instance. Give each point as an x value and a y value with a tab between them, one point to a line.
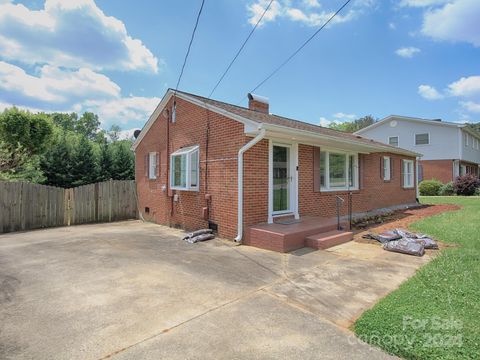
190	45
300	48
241	48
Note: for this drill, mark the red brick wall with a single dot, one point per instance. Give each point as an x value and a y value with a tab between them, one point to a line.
226	138
374	192
190	127
441	170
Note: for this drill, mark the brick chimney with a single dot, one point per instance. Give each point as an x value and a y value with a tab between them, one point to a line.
258	103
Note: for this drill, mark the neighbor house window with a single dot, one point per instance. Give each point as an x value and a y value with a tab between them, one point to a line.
393	140
422	139
338	171
386	168
152	165
407	173
184	169
465	137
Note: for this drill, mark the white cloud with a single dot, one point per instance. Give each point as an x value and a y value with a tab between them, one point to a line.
466	86
458	20
429	92
325	122
306	12
122	110
407	52
54	85
392	26
344	117
471	106
422	3
71	34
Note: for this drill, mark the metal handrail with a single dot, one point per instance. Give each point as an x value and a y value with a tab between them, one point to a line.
339	202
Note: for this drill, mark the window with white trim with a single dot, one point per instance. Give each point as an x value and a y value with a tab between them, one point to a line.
152	165
184	169
422	139
393	140
338	171
465	138
386	168
408	173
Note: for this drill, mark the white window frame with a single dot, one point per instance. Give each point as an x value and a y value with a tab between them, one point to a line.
188	152
415	139
327	187
152	165
398	140
386	168
408	178
465	138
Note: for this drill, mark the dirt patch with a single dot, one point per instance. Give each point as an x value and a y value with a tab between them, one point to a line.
399	219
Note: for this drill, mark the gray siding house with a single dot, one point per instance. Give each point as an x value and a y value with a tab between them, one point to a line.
449	149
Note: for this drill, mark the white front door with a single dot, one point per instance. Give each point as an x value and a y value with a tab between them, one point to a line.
283	179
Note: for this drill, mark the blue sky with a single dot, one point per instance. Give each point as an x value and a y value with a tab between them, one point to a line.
117	58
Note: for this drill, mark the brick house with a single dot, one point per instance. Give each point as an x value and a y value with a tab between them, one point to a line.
188	174
448	149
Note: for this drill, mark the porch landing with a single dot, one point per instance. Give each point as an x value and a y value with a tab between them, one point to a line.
310	231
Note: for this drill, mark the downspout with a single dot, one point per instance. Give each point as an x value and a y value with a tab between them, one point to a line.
243	149
417	192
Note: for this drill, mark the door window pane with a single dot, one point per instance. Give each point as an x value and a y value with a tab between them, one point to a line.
281	178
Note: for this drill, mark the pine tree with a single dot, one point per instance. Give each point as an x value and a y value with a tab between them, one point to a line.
123	162
105	163
84	166
57	164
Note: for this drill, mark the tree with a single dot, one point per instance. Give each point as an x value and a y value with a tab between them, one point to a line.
22	128
105	163
88	125
353	126
123	161
66	122
57	164
475	127
84	167
114	132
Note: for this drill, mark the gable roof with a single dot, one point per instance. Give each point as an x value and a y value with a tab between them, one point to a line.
433	122
255	119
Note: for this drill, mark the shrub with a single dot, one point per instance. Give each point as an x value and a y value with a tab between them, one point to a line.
430	187
466	185
477	191
447	189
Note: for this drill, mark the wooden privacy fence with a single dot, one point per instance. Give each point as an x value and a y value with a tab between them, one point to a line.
25	206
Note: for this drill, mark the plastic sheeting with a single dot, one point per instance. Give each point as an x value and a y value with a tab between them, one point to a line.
405	246
199	235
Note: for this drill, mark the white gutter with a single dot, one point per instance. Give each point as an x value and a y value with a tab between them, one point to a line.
243	149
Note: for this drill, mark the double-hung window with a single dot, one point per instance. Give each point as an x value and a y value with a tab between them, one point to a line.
422	139
393	140
338	171
184	169
408	174
386	168
152	165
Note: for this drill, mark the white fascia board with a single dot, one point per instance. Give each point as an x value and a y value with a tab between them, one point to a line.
156	113
298	134
407	118
249	125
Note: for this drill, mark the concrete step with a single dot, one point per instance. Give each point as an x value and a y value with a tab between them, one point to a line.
325	240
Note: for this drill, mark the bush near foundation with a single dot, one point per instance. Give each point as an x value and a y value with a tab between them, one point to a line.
447	189
466	185
430	187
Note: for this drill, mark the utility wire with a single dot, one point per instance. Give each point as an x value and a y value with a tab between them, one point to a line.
300	48
241	48
189	45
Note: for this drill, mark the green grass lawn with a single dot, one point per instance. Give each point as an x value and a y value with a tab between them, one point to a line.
435	314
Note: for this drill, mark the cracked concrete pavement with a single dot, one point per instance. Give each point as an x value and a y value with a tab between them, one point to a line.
135	290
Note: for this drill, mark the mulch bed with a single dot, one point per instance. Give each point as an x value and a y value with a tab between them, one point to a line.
398	219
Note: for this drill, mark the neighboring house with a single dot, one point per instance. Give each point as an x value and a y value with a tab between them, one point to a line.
449	149
187	172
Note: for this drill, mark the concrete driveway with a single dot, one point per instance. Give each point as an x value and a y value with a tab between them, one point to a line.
131	290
